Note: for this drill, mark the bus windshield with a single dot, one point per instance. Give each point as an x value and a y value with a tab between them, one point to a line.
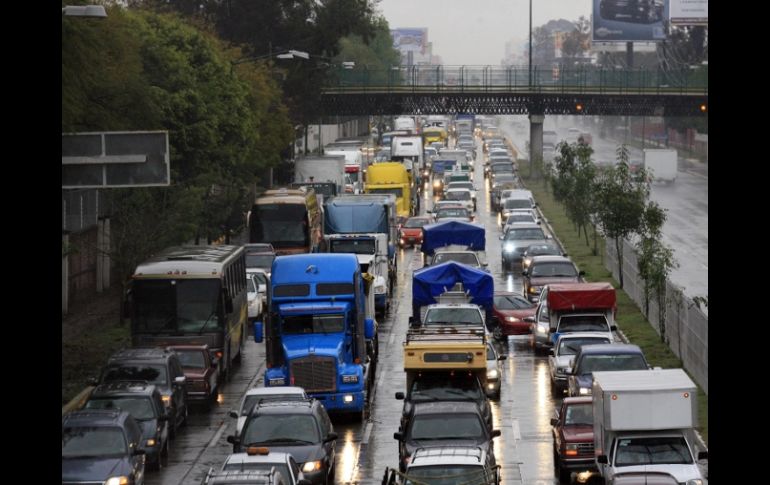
163	306
283	225
355	246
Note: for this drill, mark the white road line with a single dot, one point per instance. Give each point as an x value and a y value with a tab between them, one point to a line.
217	435
516	431
367	432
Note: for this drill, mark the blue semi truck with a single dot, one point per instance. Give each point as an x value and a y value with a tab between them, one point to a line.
320	331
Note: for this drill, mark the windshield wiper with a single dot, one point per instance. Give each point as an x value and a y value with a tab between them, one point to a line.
207	321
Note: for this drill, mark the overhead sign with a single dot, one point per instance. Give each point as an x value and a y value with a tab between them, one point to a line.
689	12
115	159
410	40
629	20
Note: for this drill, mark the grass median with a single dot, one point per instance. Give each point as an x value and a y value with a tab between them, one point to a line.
630	318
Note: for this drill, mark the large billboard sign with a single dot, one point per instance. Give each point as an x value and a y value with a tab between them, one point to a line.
410	40
689	12
629	20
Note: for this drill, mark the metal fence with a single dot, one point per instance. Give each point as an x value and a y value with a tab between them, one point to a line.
82	208
686	326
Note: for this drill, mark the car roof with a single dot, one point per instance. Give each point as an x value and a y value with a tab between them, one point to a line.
444	407
275	391
270	457
610	349
117	388
285	406
95	417
578	400
527	225
189	347
576	335
141	354
448	455
550	258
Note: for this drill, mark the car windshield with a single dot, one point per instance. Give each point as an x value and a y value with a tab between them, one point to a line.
579	414
191	358
447	475
519	218
652	451
553	270
465	258
139	407
541	250
459	195
313	324
154	374
445	387
518	204
583	323
461	185
275	428
259	260
445	427
253	399
458	212
512	302
415	222
504	178
570	346
453	315
518	234
598	363
83	441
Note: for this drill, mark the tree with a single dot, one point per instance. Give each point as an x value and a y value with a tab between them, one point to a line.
578	41
575	183
620	203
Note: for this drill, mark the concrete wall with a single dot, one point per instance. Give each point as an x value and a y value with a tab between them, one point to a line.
686	326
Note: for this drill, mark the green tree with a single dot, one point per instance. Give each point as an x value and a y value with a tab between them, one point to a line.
620	203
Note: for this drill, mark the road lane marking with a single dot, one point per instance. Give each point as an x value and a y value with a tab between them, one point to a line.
516	431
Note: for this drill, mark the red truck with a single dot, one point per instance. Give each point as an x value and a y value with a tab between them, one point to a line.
573	437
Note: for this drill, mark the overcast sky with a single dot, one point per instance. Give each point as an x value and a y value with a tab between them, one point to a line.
475	31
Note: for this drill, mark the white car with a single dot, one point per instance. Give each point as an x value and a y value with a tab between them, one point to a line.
253	298
494	372
565	349
255	394
263	280
263	458
463	197
519	217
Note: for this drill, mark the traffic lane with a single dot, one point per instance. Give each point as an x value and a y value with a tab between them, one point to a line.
201	443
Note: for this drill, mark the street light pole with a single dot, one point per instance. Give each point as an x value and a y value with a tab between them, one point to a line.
530	43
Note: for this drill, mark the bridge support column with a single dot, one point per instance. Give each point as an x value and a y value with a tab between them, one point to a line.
535	141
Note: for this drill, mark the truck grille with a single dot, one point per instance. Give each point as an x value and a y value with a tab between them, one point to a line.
314	374
585	449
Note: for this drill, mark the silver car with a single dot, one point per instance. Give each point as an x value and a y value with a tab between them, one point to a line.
565	349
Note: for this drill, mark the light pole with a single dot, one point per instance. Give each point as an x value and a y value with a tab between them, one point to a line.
84	11
530	43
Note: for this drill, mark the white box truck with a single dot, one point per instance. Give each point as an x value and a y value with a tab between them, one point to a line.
660	164
644	421
326	174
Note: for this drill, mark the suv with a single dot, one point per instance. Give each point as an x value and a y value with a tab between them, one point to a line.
145	405
244	477
446	423
101	446
263	458
546	270
302	428
451	464
157	366
602	357
573	436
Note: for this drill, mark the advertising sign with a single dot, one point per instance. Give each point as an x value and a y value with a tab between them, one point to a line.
629	20
406	40
689	12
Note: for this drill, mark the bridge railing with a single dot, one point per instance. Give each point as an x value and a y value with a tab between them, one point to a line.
497	79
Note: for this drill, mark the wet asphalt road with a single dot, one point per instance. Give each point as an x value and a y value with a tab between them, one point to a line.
363	451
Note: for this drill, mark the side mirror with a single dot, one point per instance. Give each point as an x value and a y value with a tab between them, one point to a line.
703	455
502	357
551	352
233	440
554	421
369	328
581	273
496	433
233	414
529	319
180	380
398	436
602	459
549	237
613	327
330	437
400	396
258	331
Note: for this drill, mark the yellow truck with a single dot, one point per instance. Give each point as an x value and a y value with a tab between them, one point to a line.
430	135
392	178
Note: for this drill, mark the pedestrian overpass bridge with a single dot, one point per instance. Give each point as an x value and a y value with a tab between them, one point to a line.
583	90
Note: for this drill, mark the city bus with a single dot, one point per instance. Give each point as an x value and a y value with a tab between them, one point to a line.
191	295
289	219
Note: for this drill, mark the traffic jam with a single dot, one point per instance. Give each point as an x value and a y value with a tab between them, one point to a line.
403	313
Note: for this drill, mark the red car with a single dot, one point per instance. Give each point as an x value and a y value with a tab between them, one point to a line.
509	311
410	233
573	437
200	369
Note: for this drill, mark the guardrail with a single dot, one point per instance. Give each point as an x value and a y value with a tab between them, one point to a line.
492	79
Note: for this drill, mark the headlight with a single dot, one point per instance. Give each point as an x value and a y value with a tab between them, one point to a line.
534	289
509	248
541	329
151	442
695	481
584	391
278	381
437	183
117	481
512	319
492	374
350	379
166	400
312	466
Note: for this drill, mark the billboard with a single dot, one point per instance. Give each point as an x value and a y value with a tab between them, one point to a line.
629	20
410	40
689	12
